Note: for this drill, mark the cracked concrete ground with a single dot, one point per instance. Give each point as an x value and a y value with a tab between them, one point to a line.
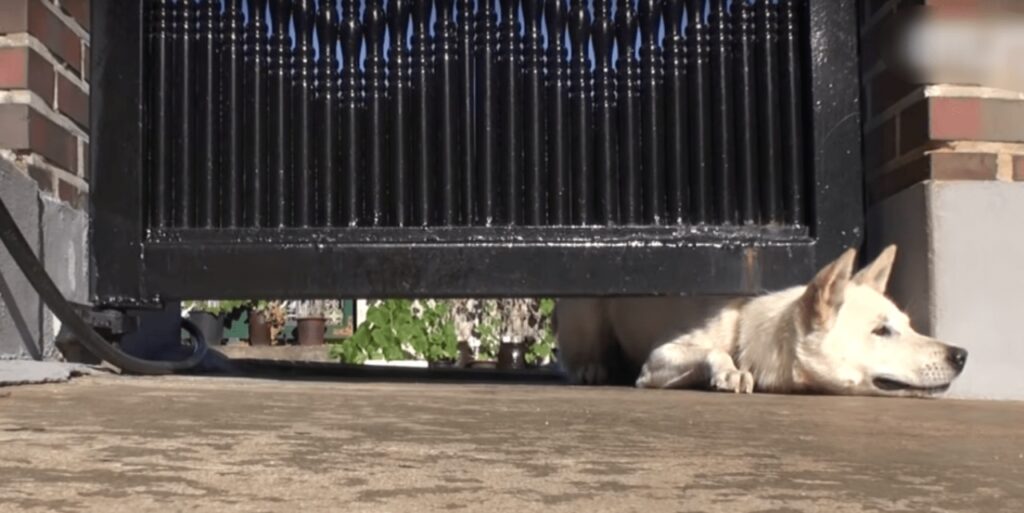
119	444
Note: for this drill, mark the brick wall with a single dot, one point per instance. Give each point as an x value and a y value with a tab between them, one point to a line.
44	93
916	132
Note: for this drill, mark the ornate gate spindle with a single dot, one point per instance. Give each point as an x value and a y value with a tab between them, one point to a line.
232	113
327	110
487	109
606	160
627	25
579	94
746	111
699	87
651	114
558	115
676	132
160	48
255	113
447	113
533	113
424	181
351	98
511	146
206	168
183	168
792	114
279	115
722	113
302	122
769	142
376	114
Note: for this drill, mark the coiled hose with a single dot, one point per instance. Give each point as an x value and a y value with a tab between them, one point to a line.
22	253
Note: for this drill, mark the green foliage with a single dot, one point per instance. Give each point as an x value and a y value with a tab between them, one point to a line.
397	329
216	307
542	349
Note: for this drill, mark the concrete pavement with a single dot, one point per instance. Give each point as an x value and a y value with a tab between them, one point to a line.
120	444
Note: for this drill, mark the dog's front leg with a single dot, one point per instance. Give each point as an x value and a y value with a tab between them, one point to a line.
686	364
679	364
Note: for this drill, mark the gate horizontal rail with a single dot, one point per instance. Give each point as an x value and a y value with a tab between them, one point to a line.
603	144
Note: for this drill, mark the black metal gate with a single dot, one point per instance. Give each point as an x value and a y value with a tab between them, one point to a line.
246	148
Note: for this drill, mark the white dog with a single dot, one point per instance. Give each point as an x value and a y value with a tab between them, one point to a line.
838	334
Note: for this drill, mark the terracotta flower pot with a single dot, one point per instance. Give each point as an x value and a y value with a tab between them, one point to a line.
310	331
259	330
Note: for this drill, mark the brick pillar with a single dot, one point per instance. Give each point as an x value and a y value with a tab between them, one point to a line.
945	181
44	155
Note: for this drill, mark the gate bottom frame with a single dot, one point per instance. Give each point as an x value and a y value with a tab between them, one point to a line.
454	262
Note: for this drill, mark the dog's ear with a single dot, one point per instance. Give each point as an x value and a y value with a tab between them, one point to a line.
876	274
825	293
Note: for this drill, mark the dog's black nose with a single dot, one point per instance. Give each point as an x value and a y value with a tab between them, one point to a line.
957	358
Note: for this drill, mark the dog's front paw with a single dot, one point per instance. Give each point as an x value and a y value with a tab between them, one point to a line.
740	382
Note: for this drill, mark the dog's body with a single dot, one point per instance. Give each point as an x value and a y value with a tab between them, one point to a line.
838	334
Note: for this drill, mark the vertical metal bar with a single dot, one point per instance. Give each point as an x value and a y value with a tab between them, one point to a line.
606	162
627	26
511	131
398	92
769	142
722	113
466	115
351	97
487	109
376	114
676	129
159	134
255	112
652	142
448	112
207	107
533	114
302	121
424	179
792	112
232	113
699	88
558	115
327	137
579	95
183	211
279	115
746	112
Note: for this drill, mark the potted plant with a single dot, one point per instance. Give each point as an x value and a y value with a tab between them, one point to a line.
311	322
209	317
266	318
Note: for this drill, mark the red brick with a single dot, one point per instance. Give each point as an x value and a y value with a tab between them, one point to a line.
1018	168
22	128
964	166
73	102
71	194
33	17
955	119
24	68
975	119
79	10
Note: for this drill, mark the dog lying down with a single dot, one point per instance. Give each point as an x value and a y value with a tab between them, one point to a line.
838	334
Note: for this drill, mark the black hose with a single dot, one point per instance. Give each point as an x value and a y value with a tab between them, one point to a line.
22	253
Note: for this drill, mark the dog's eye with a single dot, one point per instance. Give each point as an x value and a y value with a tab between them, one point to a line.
882	331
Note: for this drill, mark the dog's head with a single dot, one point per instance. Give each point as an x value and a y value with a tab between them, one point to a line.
856	341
